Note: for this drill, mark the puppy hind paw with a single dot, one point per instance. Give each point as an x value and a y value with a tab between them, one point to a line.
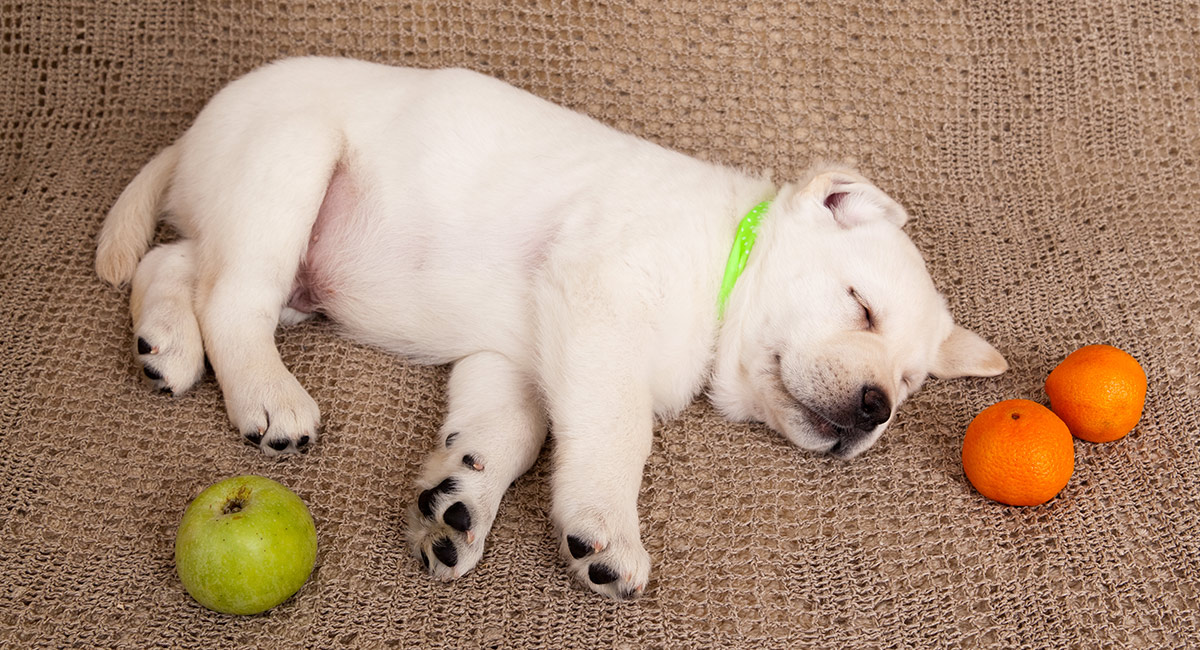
279	445
170	369
284	440
283	419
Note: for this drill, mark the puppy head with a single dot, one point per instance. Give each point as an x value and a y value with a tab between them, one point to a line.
835	320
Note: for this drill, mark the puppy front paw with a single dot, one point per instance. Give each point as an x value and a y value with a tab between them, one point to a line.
449	521
615	565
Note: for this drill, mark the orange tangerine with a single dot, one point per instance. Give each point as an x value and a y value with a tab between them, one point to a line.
1099	391
1018	452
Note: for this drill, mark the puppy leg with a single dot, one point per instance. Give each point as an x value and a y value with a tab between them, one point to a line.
252	240
603	423
167	336
492	434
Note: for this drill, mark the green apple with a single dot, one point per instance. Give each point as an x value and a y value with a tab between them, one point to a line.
245	545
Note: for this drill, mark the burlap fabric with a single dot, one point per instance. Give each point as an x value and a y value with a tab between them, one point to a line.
1048	152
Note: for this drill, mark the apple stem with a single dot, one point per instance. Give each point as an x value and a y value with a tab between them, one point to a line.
236	502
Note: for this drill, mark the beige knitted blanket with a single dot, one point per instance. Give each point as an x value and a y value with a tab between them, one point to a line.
1047	150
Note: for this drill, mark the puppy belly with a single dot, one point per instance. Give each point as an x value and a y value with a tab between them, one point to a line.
394	274
331	236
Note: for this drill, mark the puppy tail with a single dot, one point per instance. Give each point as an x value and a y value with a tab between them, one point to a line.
125	236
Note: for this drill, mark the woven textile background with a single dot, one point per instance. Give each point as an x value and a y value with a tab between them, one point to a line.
1047	151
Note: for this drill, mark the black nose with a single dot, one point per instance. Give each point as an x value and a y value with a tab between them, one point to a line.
874	410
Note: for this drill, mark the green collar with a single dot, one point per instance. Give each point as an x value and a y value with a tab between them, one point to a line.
743	242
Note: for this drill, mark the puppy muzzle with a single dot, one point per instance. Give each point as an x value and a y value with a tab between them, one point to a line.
852	429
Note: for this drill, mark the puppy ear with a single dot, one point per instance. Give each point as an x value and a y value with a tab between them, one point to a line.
965	354
852	200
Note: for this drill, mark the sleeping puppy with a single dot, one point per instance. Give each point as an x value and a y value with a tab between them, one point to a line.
580	279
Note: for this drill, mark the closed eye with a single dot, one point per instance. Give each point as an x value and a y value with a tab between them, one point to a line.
868	317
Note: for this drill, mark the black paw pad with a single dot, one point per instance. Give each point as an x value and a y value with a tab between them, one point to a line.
458	517
578	547
143	346
444	551
278	445
302	442
424	560
472	461
601	574
151	373
253	438
425	500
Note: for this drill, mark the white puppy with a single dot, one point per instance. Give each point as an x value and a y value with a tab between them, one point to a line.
571	273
